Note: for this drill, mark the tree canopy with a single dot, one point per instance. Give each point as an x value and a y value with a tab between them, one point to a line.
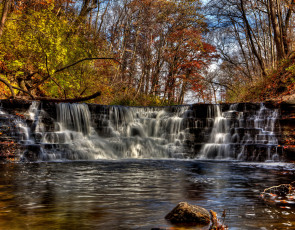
132	51
147	52
256	43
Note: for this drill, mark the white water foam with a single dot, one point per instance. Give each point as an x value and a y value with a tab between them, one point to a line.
233	130
133	133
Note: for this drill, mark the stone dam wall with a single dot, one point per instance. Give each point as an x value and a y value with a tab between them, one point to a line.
199	124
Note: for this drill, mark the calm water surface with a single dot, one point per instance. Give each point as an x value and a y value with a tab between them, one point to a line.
137	194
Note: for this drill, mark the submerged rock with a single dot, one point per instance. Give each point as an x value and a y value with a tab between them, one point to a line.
187	213
281	194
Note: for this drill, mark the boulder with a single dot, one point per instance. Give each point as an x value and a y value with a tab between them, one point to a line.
187	213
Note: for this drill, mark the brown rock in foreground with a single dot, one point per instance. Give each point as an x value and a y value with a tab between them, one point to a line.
186	213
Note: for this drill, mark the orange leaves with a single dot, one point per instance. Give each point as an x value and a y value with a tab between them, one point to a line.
215	223
189	55
20	115
209	48
189	48
283	201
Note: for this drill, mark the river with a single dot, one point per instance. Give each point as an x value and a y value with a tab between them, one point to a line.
137	194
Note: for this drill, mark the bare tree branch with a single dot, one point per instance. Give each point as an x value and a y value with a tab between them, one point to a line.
9	86
73	64
82	60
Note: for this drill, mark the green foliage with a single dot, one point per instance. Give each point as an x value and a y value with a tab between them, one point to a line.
39	42
291	69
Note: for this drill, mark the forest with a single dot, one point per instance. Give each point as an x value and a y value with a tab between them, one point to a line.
147	52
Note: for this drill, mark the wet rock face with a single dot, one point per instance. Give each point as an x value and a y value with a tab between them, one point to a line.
15	106
9	146
241	140
186	213
288	130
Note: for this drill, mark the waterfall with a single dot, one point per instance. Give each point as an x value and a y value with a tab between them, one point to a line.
128	132
246	132
242	135
74	117
138	132
218	146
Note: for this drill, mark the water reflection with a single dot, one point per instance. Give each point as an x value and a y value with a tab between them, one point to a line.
137	194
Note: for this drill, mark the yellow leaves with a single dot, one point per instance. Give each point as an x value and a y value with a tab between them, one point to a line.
49	1
38	40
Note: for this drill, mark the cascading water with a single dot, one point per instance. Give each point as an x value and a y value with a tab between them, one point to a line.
45	131
14	127
242	135
130	132
219	143
147	132
87	132
72	136
74	117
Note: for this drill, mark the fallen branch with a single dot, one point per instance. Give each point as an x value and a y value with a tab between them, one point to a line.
70	100
281	194
79	99
215	223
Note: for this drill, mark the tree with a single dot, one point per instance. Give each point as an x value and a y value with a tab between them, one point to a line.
149	40
37	55
5	9
253	37
187	55
151	49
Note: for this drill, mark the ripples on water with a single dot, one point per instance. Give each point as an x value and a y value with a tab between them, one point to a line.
137	194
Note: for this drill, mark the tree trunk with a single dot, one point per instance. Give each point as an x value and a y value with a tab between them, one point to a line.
9	86
86	8
276	28
242	49
253	48
5	8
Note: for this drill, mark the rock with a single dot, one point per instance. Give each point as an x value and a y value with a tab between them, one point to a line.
280	190
32	153
186	213
281	194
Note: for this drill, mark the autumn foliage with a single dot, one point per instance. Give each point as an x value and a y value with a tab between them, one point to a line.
255	40
277	85
132	51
